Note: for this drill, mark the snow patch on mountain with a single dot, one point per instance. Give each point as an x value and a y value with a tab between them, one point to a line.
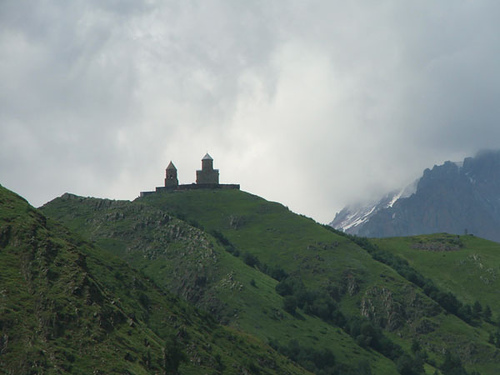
351	218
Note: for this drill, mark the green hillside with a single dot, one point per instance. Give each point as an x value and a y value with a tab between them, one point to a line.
68	307
194	265
261	269
467	266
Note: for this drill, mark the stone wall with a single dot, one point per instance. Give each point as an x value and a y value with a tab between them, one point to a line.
185	187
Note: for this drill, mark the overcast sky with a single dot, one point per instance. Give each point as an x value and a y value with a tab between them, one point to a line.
314	104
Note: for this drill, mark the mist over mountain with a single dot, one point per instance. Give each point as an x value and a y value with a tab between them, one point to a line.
453	197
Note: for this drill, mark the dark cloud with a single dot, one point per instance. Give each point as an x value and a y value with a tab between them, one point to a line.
311	104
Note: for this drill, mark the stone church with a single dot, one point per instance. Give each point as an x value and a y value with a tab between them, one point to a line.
206	178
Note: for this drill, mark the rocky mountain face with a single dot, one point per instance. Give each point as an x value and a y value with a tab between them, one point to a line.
352	218
454	198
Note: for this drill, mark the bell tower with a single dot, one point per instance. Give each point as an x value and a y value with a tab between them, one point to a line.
171	180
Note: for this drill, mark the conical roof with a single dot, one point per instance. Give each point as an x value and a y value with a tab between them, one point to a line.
207	157
171	166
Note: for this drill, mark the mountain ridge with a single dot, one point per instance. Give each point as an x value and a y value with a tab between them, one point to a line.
453	198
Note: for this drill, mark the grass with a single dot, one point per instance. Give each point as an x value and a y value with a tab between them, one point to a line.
471	272
194	265
177	256
69	307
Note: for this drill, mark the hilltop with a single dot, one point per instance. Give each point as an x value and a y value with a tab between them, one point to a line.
308	291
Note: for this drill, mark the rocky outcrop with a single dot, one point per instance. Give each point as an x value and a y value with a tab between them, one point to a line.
393	310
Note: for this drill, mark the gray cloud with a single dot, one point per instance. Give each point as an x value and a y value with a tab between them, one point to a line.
311	104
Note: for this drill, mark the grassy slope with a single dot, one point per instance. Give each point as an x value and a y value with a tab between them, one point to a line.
180	255
299	245
471	272
66	307
277	236
271	232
